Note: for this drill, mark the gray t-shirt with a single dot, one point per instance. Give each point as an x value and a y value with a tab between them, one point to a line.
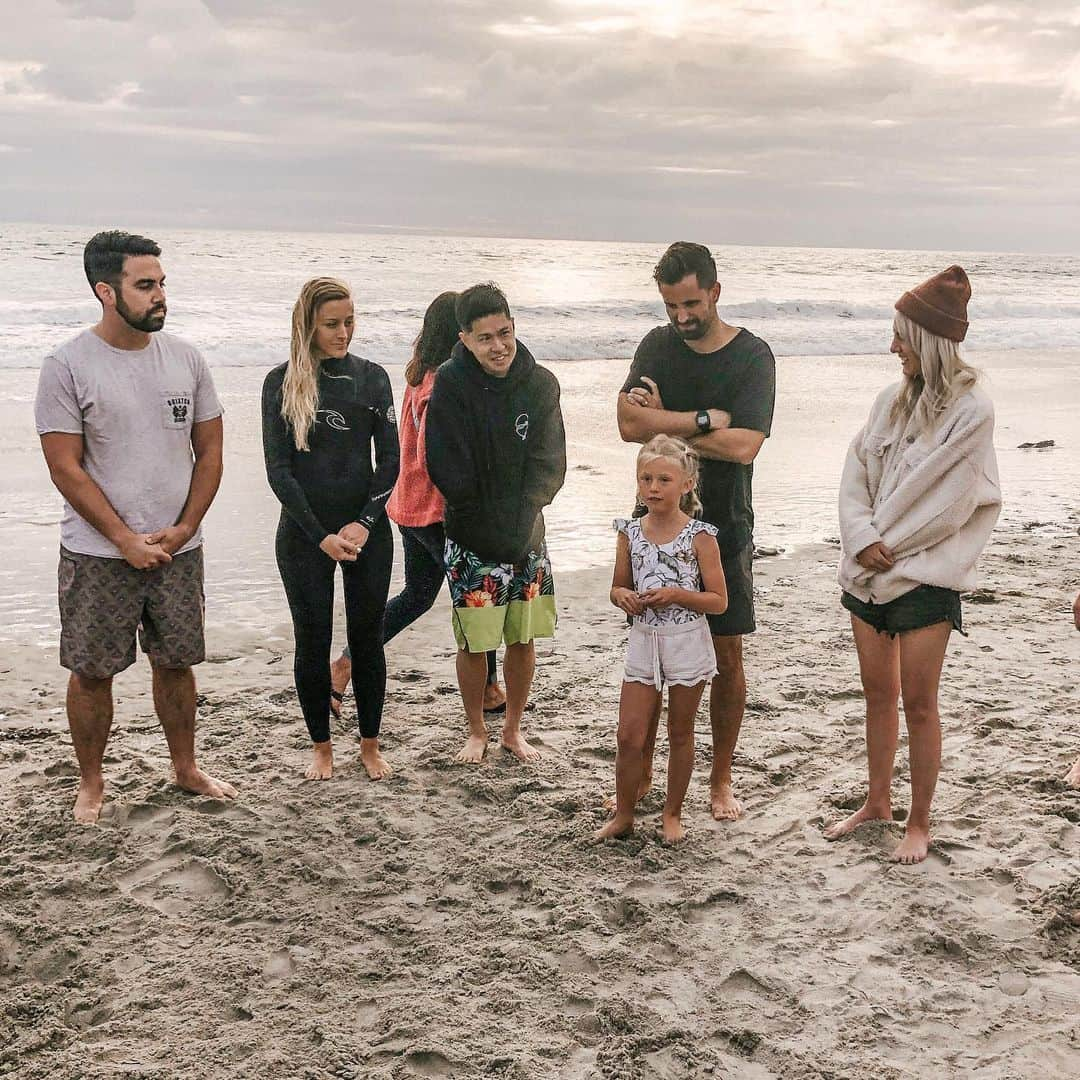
134	410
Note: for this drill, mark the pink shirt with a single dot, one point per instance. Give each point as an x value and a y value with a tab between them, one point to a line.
415	501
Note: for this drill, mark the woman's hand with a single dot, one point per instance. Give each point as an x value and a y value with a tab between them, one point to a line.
661	598
627	600
355	533
338	549
875	557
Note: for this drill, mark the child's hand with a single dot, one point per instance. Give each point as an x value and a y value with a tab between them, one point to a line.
661	598
627	600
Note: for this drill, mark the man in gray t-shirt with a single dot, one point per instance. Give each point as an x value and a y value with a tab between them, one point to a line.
130	426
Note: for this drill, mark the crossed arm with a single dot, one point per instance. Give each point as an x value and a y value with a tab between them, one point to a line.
64	457
642	415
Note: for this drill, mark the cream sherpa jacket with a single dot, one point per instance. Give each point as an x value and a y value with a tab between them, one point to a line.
931	498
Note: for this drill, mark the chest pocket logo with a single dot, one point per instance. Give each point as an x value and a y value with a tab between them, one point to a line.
176	410
521	426
332	418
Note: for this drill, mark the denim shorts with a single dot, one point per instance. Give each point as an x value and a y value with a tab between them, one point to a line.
925	605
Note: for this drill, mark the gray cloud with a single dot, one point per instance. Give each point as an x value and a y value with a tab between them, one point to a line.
935	125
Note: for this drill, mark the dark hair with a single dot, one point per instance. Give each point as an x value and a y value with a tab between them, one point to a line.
436	338
684	258
104	255
479	301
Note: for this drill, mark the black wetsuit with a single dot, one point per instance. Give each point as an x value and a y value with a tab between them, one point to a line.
321	490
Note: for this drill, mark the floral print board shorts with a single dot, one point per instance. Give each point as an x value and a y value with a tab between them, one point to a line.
496	602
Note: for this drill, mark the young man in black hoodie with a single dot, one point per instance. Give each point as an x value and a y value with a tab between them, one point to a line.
496	450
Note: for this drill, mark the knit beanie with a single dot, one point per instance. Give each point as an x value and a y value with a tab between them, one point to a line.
939	304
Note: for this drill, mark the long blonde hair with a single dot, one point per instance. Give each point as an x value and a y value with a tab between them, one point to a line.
300	390
680	451
944	375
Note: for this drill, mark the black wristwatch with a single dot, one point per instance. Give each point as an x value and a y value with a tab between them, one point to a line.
703	421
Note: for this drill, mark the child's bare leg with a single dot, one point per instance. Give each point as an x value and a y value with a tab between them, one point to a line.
637	704
472	678
683	704
519	666
1072	777
648	751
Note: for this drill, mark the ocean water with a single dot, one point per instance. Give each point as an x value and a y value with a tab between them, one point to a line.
232	292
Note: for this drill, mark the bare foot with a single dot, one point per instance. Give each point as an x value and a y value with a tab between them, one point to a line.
616	827
494	697
374	763
517	746
643	789
913	847
89	801
865	813
724	805
1072	777
200	783
672	827
472	753
322	761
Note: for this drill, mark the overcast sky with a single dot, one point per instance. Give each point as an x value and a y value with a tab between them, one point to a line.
937	124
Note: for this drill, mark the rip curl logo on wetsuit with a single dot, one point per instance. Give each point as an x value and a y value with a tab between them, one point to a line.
521	426
333	419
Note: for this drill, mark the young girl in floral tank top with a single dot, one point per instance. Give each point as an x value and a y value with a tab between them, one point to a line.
668	576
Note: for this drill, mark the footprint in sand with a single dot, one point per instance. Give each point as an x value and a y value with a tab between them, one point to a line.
429	1063
280	965
175	886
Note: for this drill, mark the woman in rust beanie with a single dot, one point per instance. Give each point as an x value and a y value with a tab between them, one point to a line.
918	500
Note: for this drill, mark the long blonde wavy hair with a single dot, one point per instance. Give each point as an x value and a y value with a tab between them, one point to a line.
685	456
300	390
944	375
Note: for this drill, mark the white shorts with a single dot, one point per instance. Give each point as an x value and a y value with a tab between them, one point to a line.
680	654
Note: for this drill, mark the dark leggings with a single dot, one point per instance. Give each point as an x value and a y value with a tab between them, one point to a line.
308	576
425	573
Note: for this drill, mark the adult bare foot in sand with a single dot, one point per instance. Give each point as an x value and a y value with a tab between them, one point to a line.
515	742
200	783
620	825
722	802
672	829
1072	777
322	761
376	766
865	813
89	801
914	847
472	753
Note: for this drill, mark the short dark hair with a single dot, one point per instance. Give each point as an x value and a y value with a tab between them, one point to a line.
104	255
479	301
684	258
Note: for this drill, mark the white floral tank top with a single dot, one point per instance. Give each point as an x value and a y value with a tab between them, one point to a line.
658	566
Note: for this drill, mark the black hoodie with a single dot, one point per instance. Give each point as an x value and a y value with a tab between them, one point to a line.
496	450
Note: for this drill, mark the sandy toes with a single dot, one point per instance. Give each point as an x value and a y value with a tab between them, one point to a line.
672	829
88	803
472	753
615	828
322	762
913	848
860	817
520	748
724	805
200	783
375	765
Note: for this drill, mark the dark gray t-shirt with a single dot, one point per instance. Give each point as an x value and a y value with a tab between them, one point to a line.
134	410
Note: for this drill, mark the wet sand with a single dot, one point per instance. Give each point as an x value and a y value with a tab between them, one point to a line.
457	921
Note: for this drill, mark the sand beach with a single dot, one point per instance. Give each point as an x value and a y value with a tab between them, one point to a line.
457	922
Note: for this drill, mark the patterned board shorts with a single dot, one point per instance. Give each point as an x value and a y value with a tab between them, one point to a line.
103	602
496	602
